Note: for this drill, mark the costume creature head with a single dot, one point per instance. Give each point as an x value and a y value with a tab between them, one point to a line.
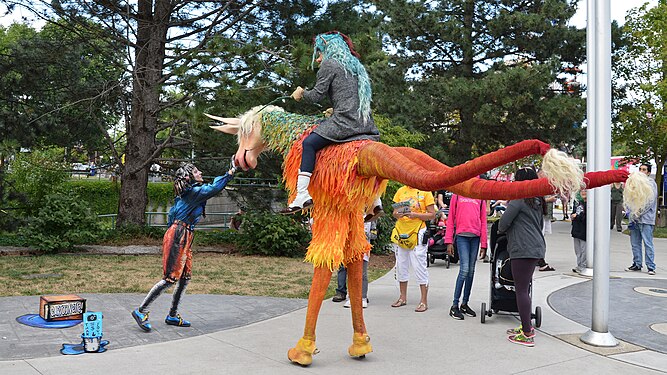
339	47
184	178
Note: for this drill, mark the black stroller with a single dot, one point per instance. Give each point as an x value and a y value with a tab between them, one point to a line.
502	296
435	240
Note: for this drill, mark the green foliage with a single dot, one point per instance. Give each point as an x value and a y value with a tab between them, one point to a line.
128	234
385	224
61	222
216	237
36	174
475	75
59	85
264	233
102	195
396	136
640	73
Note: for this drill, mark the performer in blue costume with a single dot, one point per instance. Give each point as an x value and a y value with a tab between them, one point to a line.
189	206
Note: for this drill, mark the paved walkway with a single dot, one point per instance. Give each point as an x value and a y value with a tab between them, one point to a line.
233	334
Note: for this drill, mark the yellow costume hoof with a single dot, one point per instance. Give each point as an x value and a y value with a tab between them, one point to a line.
361	345
303	352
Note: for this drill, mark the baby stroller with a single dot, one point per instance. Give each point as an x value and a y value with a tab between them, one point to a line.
435	240
502	296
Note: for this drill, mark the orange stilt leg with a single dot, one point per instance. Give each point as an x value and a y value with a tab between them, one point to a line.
360	341
303	352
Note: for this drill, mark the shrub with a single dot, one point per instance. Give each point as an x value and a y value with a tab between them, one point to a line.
216	237
36	174
63	221
264	233
129	234
382	244
102	195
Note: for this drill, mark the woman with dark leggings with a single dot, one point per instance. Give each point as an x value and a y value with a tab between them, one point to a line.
522	221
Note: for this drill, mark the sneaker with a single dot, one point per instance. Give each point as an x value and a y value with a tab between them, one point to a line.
176	321
522	339
339	297
651	272
518	330
467	310
364	303
142	320
633	267
455	313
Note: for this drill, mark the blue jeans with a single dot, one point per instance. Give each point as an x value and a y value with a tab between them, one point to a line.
468	248
642	233
342	281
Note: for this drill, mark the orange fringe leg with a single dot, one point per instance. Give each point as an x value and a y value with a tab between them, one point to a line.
303	352
360	340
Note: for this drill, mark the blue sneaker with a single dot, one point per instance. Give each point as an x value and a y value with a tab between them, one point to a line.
142	320
176	321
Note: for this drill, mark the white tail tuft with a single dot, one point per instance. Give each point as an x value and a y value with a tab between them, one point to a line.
563	172
638	194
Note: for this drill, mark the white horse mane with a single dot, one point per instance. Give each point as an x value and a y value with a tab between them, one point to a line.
251	117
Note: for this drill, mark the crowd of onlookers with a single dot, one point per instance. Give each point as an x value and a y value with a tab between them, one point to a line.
524	221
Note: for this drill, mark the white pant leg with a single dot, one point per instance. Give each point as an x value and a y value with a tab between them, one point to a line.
402	263
415	258
418	260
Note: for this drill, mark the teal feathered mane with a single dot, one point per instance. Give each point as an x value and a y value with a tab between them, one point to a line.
333	46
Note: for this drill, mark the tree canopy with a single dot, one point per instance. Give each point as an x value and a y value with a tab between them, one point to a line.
475	75
641	74
55	89
457	78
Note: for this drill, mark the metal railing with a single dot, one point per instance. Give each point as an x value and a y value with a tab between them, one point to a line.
213	224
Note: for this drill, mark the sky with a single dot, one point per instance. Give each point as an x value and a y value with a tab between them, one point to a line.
618	10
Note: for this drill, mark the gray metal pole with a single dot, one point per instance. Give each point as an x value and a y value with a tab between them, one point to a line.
591	94
599	334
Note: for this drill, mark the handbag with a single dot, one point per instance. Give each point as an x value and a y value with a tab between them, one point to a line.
408	235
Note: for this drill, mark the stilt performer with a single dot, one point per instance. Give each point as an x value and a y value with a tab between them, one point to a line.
343	79
350	176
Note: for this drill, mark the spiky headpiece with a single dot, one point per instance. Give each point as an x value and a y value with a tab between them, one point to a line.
338	46
184	178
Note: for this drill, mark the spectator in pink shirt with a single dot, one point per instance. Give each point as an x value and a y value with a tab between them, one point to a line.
466	224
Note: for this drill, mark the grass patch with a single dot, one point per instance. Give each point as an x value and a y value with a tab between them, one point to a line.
213	273
660	232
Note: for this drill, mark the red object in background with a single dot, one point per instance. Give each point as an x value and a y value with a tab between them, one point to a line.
619	162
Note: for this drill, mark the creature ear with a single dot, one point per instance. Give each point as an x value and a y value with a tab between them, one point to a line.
232	124
229	129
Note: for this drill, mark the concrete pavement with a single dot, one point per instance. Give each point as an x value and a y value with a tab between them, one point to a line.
403	341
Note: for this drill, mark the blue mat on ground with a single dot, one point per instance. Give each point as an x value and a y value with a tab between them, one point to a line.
34	320
76	349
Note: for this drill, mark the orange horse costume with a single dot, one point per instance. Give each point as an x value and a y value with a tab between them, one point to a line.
349	176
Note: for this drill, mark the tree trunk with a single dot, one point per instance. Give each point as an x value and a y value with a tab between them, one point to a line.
142	129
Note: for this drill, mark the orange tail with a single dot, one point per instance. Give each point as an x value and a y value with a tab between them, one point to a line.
415	168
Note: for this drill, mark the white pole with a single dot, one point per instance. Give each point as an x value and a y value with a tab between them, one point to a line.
591	165
599	334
